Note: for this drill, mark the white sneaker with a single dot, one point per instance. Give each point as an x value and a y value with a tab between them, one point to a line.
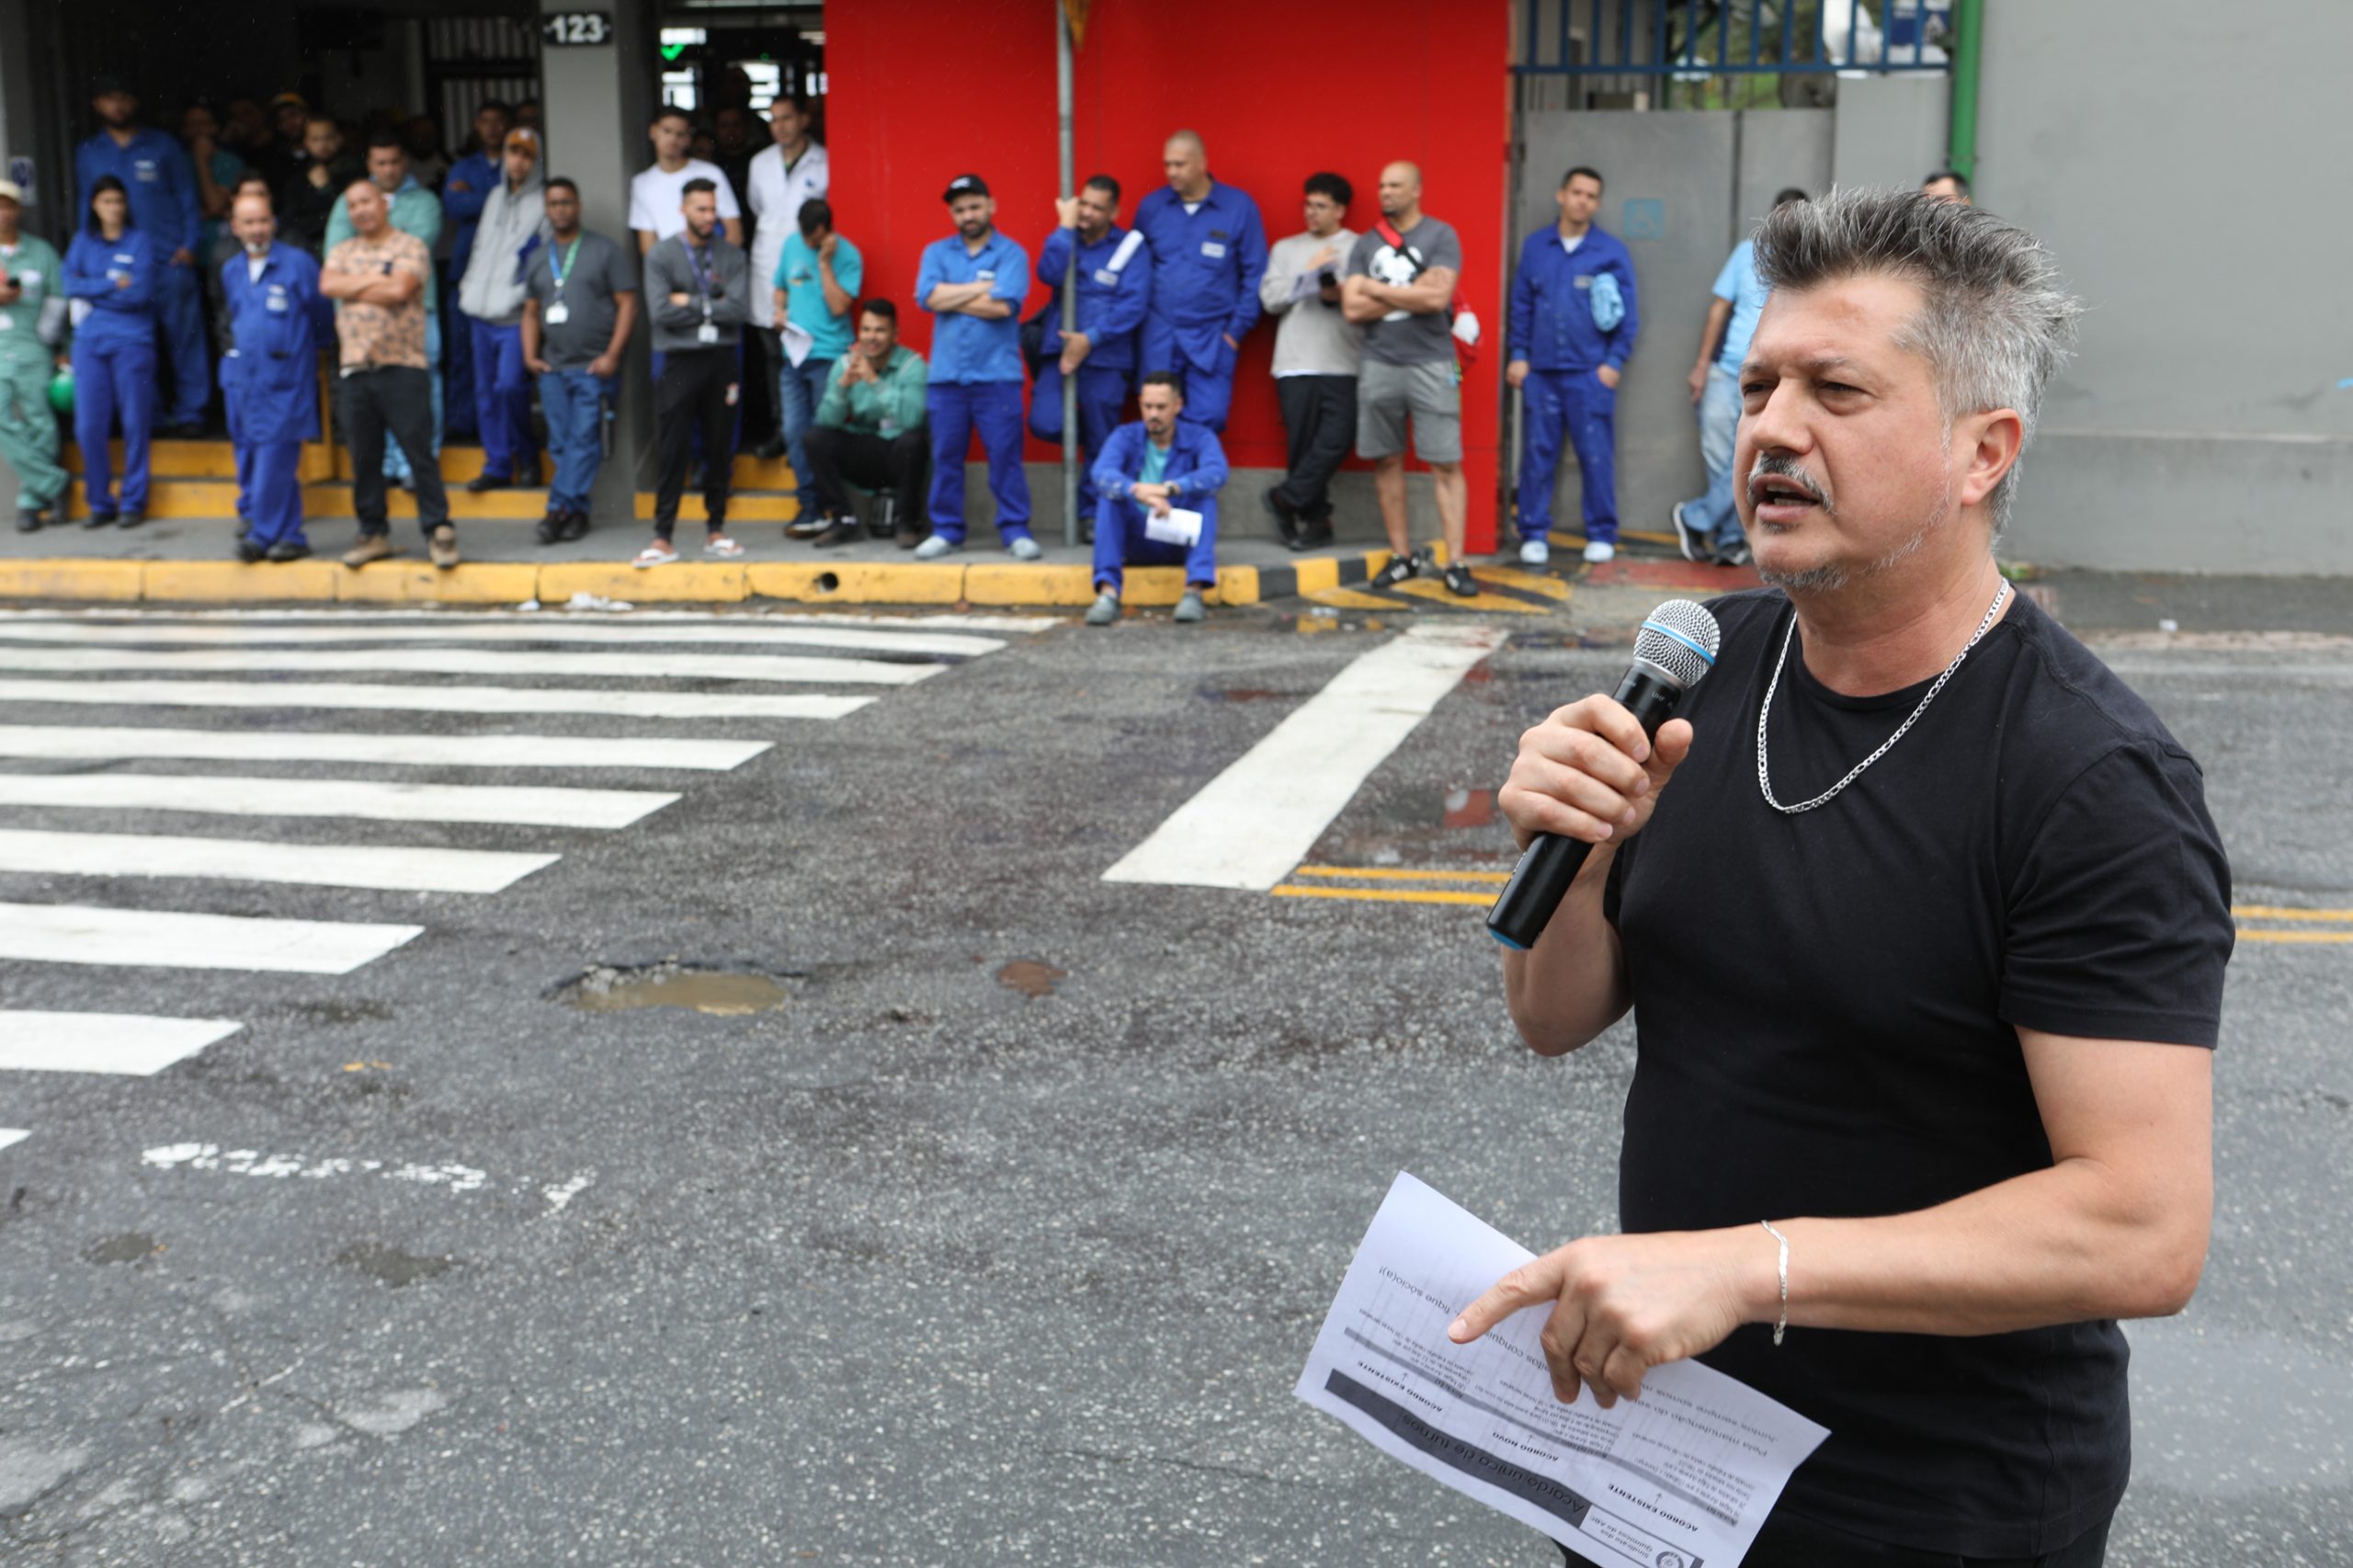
1024	548
933	548
1598	551
1535	553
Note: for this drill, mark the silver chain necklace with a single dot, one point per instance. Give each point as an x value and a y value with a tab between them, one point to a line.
1764	771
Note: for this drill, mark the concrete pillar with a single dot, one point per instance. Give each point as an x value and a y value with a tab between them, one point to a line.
598	100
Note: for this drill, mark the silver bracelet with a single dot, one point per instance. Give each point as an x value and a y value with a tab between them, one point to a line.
1783	1327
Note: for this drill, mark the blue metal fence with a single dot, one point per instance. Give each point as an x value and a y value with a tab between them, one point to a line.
1698	39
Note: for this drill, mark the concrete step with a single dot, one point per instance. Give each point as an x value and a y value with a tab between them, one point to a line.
218	459
216	498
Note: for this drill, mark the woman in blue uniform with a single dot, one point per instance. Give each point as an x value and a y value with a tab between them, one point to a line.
111	276
111	271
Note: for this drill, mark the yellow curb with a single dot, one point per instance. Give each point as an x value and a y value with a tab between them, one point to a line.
711	581
1318	573
416	582
217	582
1236	586
172	459
853	582
335	501
1015	583
70	579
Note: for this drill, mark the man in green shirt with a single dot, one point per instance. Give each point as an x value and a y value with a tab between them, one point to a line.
869	431
32	330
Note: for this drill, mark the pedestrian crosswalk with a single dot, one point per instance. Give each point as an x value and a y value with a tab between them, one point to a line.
121	805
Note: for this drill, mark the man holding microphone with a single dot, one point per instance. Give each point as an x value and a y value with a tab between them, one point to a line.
1928	1106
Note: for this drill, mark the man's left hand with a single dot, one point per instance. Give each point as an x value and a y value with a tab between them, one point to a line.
1155	496
1075	348
1624	1304
183	256
1230	343
1609	378
677	299
604	365
826	246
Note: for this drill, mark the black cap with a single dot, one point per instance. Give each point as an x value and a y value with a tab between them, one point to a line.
966	185
107	81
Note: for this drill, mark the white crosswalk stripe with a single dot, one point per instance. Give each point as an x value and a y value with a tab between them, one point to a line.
532	806
96	744
448	670
84	934
400	867
430	698
796	668
103	1042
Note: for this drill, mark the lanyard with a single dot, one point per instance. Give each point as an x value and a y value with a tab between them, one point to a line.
560	268
702	277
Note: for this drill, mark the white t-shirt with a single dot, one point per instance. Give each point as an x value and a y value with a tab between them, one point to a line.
655	195
1570	246
776	194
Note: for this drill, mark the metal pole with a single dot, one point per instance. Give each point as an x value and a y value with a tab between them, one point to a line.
1070	282
1969	19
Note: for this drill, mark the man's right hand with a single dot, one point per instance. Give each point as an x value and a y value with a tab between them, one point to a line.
537	367
1517	372
1699	380
1588	773
1066	211
318	176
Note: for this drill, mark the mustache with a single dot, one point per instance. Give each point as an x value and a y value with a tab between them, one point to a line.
1770	466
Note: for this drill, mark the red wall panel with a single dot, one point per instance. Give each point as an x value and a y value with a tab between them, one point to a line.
922	90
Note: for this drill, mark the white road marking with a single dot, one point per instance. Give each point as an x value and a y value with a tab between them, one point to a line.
447	1174
531	805
13	1135
403	868
431	699
633	665
94	743
723	630
103	1042
72	933
1249	826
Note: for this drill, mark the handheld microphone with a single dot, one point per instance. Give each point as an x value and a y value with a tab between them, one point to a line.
1676	647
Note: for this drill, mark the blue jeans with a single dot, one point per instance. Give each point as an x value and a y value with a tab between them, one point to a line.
957	410
1714	513
798	388
575	403
1120	541
502	402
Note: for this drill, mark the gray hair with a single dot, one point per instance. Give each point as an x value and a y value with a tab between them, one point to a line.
1996	324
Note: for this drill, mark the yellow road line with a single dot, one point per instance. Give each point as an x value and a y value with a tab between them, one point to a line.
2334	936
2280	912
1401	874
1382	895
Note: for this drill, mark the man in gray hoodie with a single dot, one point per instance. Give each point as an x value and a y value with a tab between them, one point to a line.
514	225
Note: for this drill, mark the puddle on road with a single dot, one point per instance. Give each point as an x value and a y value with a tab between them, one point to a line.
1470	808
392	1265
128	1247
1240	694
725	993
1030	978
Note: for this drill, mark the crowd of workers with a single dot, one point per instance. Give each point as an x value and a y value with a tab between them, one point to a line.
451	290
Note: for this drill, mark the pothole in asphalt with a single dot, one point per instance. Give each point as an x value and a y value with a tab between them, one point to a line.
1030	978
128	1247
392	1265
722	993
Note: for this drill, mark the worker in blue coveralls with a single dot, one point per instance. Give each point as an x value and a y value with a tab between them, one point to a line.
1114	286
1208	253
1573	325
1150	471
464	191
110	270
165	207
269	377
973	283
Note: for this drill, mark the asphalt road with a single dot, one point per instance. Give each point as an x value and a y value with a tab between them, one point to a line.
426	1264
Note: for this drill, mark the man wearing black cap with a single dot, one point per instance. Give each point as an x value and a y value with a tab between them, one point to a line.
154	170
973	282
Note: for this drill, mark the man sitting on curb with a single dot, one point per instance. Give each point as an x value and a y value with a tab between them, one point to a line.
1157	478
871	432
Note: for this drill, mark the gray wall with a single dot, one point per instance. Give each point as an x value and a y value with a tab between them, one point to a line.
2189	175
1713	174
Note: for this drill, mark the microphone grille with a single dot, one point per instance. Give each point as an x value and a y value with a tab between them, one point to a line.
1681	639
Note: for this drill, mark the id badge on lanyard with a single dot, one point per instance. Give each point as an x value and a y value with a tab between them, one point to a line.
708	331
559	313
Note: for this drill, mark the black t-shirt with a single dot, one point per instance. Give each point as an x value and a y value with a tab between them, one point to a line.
1826	1006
